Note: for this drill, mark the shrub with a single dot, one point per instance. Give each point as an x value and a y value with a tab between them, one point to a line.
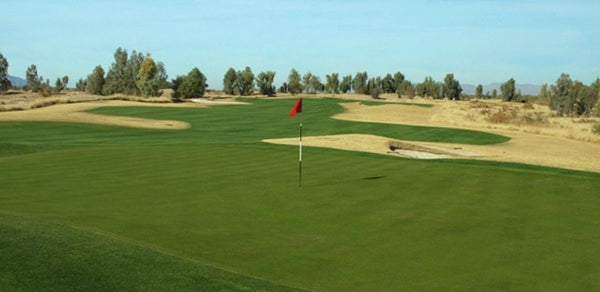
596	109
45	91
502	116
596	128
149	87
536	118
527	105
193	86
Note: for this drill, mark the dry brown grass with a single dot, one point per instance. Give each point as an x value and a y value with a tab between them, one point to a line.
25	100
502	116
480	114
596	128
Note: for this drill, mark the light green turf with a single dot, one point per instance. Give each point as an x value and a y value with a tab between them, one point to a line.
216	195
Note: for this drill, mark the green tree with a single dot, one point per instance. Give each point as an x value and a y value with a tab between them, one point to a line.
81	85
560	99
161	76
592	96
65	81
147	68
359	83
388	84
494	93
596	109
58	86
333	83
346	84
407	89
34	82
508	90
399	83
95	81
316	85
175	84
193	86
294	82
429	88
373	88
150	87
582	98
451	88
264	81
306	84
245	82
229	81
284	88
577	94
115	77
4	82
479	91
147	83
544	92
132	73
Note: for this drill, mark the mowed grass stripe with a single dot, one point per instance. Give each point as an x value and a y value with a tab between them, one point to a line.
41	256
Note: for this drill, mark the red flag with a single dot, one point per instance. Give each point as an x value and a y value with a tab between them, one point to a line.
297	108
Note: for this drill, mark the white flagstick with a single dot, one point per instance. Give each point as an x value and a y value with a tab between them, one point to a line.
300	155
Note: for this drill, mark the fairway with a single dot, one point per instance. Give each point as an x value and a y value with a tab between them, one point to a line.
213	208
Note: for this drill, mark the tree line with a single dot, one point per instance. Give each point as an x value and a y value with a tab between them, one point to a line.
138	74
572	97
241	83
34	83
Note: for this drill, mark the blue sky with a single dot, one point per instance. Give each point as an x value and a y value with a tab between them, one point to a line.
480	41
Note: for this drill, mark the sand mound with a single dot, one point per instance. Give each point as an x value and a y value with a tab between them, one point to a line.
379	145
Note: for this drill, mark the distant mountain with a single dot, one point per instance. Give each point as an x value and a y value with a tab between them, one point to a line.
16	81
526	89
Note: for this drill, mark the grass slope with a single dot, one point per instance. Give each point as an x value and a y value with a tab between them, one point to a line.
215	195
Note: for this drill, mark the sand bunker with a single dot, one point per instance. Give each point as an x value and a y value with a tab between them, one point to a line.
377	144
547	150
75	113
554	151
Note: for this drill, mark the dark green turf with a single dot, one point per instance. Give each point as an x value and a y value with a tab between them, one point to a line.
37	255
216	195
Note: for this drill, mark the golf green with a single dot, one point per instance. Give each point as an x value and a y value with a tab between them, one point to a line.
213	208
